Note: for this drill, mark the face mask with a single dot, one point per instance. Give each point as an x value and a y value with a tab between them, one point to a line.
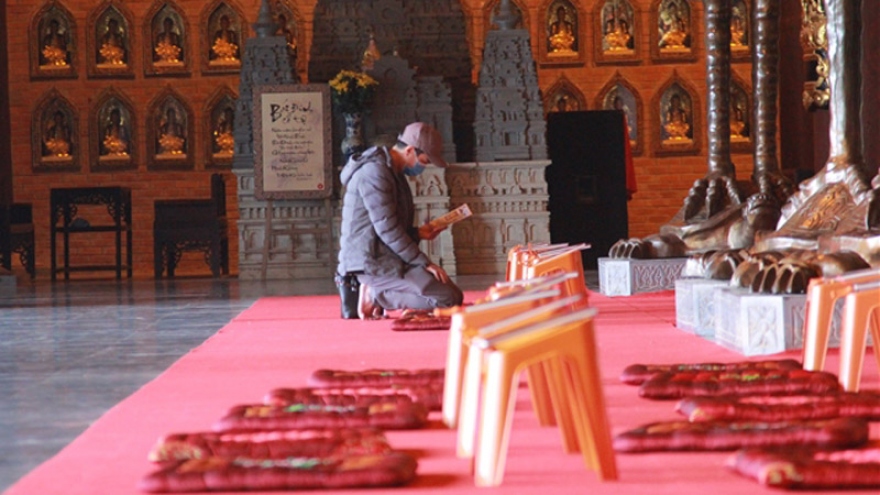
415	170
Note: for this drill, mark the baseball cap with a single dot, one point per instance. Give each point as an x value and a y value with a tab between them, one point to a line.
427	139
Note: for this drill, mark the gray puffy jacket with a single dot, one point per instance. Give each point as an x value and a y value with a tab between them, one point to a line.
377	234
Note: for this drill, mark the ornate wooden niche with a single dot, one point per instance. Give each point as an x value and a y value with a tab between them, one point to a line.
619	94
52	43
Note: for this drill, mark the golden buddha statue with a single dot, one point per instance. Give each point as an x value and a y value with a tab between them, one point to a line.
112	51
171	134
676	123
225	48
56	137
562	37
54	49
737	32
224	141
168	47
617	36
675	33
115	141
738	128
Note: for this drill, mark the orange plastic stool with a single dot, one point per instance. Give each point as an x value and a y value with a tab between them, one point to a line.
544	399
822	294
466	321
861	312
517	256
568	343
501	290
567	260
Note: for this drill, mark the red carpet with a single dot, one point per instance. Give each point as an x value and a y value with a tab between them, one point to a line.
281	340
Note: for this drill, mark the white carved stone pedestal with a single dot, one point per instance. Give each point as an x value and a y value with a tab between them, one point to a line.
285	239
759	324
509	202
626	276
695	305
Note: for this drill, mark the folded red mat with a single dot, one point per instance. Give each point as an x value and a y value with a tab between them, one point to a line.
811	469
864	405
721	435
415	320
243	474
745	382
397	413
273	444
636	374
374	377
430	395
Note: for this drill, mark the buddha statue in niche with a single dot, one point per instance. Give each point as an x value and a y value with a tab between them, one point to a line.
168	47
56	136
225	48
739	26
54	52
676	120
115	138
112	51
739	127
224	141
617	103
562	37
565	102
617	36
171	136
674	33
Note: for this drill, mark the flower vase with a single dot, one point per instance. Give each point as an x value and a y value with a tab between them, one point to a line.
353	141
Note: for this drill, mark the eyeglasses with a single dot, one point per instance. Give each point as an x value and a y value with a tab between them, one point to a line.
419	154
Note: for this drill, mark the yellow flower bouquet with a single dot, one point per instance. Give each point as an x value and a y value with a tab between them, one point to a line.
352	91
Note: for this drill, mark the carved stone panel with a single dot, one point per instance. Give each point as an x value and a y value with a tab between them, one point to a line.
394	105
509	124
52	42
509	202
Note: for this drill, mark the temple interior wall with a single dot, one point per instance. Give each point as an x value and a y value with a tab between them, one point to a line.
662	178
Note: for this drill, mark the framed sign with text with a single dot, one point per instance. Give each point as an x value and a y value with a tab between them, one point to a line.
292	139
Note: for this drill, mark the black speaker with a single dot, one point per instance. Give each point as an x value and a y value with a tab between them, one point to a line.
586	180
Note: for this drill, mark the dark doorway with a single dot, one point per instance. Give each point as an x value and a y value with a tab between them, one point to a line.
587	180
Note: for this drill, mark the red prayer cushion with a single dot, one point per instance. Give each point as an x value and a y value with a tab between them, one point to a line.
722	435
811	469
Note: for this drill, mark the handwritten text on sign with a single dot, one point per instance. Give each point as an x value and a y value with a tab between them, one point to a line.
293	142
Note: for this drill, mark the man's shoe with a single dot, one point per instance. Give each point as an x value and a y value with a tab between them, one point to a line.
367	309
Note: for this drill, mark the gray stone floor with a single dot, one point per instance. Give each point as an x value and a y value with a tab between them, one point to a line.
69	351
